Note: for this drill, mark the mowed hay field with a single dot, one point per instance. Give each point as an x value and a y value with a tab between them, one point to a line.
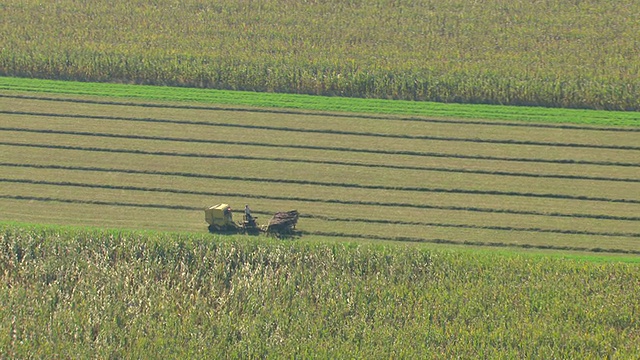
106	163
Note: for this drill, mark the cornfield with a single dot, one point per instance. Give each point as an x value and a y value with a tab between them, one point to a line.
112	294
552	53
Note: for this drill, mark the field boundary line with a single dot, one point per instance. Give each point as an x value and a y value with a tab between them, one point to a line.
328	132
330	201
311	147
505	123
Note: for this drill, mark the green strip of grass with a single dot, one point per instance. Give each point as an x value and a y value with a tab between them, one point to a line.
323	103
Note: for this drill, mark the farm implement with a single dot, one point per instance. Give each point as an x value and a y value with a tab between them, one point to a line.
220	220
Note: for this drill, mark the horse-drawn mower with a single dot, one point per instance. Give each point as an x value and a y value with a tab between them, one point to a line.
220	220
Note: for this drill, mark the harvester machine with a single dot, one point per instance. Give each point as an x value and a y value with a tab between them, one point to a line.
220	220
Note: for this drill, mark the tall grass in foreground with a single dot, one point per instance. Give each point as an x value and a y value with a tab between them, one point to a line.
81	293
551	53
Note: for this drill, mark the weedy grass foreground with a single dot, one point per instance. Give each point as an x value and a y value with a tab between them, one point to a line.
87	292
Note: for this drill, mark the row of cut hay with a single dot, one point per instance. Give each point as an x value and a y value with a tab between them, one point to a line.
344	177
195	183
111	115
299	142
440	163
370	219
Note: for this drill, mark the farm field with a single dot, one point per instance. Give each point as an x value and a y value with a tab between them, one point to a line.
555	53
81	292
153	165
467	175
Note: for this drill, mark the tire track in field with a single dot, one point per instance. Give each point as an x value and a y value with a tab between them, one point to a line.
328	219
322	148
469	226
393	188
328	162
327	114
330	132
466	242
99	202
329	201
